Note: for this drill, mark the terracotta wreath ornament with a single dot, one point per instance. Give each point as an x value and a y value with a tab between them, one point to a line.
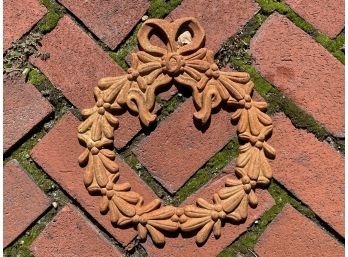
154	67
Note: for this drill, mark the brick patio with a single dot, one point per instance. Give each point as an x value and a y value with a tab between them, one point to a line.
294	49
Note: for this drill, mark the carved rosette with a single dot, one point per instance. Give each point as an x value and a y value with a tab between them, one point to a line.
154	67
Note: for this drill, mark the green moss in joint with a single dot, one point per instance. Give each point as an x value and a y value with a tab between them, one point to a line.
128	46
157	9
21	246
245	244
211	169
53	95
23	156
51	18
144	174
332	45
278	102
35	77
160	8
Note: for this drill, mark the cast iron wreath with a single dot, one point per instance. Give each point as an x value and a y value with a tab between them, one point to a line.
154	67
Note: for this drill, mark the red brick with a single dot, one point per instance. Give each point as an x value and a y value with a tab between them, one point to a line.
71	234
220	19
128	127
57	154
177	148
327	16
292	234
304	70
76	62
24	202
75	65
312	170
19	18
111	20
230	232
24	107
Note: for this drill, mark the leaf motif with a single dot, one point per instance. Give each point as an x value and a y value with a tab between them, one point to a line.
227	192
126	208
116	89
241	212
265	168
100	172
129	196
154	204
105	83
204	204
166	225
96	131
142	231
233	201
85	125
269	150
88	112
252	198
217	229
235	90
157	237
104	205
122	187
88	174
162	213
253	166
254	125
108	153
194	223
264	118
196	212
123	220
203	234
83	158
260	105
111	119
232	182
114	213
110	165
243	122
244	158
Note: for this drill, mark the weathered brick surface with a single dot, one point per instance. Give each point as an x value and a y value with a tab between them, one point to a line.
24	202
304	70
292	234
177	148
312	170
57	154
19	18
70	234
327	16
24	107
220	19
229	233
111	20
75	65
76	62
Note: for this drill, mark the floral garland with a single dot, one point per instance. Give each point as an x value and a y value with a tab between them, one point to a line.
154	67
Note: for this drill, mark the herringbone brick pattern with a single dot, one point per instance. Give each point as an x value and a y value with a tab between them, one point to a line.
56	51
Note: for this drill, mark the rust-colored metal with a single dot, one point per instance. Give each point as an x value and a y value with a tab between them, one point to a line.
182	61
